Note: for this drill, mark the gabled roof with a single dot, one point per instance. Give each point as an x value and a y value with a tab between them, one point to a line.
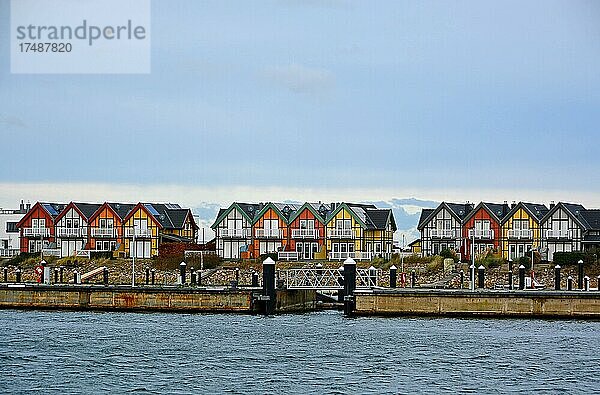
572	209
379	218
535	210
284	210
495	210
355	210
52	209
319	210
248	210
85	210
412	243
367	215
148	209
458	210
120	210
166	215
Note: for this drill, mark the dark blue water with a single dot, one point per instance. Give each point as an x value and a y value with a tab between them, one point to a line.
78	352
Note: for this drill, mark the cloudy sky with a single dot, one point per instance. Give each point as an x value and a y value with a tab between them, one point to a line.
331	100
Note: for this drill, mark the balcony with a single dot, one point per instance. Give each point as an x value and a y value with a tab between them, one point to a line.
71	232
340	233
269	233
36	232
233	233
9	252
520	234
138	232
557	234
104	232
305	233
359	256
481	233
443	234
288	255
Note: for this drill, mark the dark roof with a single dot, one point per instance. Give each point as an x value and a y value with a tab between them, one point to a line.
87	209
250	209
176	238
591	219
461	210
535	209
497	209
425	213
53	208
287	209
122	209
169	215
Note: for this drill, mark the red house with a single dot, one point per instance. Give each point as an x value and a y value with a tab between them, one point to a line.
37	226
483	226
307	232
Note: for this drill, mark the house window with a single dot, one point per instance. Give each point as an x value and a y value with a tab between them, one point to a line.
11	227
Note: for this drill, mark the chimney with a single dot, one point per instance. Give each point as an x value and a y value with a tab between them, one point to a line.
22	207
28	207
513	204
552	204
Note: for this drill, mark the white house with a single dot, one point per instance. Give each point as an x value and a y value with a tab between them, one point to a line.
9	233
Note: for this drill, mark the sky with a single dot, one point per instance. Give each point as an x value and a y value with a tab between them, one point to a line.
329	100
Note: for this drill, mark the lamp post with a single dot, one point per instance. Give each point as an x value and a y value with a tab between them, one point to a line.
402	253
133	260
473	260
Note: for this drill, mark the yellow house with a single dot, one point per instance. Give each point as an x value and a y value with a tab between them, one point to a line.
521	230
415	247
359	231
149	224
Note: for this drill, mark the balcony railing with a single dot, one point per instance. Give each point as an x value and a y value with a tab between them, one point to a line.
444	233
104	232
36	232
359	256
341	233
288	255
71	232
9	252
520	234
557	234
137	232
481	233
269	233
51	252
233	233
305	233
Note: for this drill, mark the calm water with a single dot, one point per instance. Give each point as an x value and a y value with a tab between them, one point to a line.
78	352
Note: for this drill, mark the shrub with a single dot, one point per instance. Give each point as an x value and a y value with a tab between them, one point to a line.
490	260
436	264
449	253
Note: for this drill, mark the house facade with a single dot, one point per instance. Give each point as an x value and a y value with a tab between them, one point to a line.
233	229
37	228
563	228
270	229
9	232
71	228
521	230
307	232
482	228
106	227
441	228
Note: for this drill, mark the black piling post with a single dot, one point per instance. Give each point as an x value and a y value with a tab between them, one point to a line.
580	274
373	276
62	269
5	274
521	277
269	286
75	277
598	282
349	285
586	283
153	272
147	275
462	279
18	275
557	278
393	276
510	274
55	275
569	283
192	276
182	266
237	275
413	279
255	279
105	276
319	267
481	276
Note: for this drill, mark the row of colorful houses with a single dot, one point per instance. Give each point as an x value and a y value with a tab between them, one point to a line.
513	230
308	231
122	228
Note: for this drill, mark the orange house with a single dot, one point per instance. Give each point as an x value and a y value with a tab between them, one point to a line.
106	226
270	229
37	226
307	232
483	226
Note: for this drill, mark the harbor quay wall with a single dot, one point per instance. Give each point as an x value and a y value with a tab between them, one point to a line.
549	304
123	298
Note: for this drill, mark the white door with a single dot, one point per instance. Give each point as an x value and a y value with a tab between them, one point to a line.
141	249
307	251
